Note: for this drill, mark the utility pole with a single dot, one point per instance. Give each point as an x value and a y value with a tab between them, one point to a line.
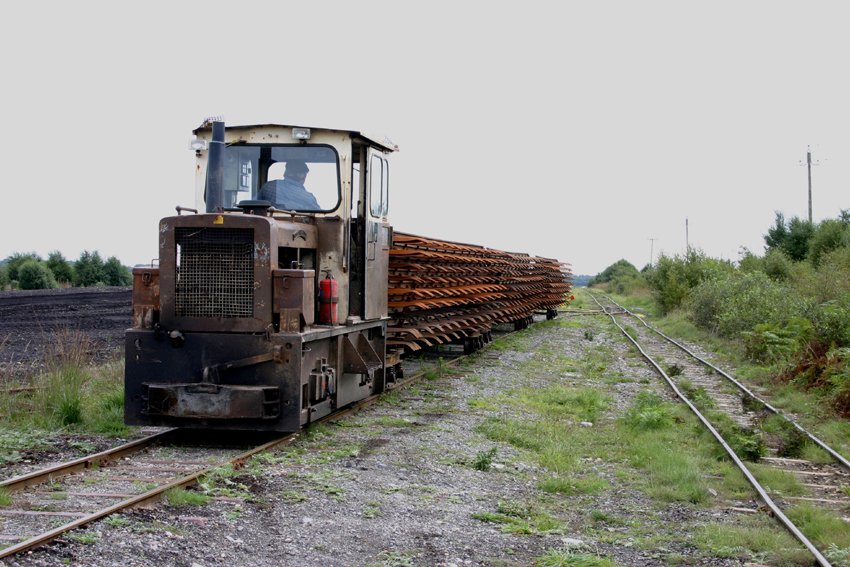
809	165
651	247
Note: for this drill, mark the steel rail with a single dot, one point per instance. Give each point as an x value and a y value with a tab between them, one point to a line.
44	475
834	454
777	512
153	494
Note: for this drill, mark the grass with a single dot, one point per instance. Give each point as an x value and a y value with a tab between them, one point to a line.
86	538
570	558
224	481
751	537
821	526
572	486
71	394
5	498
182	497
776	481
519	518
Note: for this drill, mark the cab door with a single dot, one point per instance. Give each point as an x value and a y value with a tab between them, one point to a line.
378	235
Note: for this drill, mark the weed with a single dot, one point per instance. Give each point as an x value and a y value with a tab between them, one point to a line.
394	559
182	497
778	481
588	335
116	521
757	537
293	497
391	421
573	486
788	440
220	482
5	497
821	526
372	510
519	518
567	557
484	459
649	412
86	538
697	395
674	370
482	404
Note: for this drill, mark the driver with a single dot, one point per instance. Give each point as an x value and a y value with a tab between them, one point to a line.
289	193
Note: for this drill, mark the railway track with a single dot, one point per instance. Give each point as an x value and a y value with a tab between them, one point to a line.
718	399
50	502
47	503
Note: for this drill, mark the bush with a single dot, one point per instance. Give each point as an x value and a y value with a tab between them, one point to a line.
739	302
4	277
672	279
832	278
114	273
777	265
61	268
618	269
16	260
831	321
771	343
89	269
792	237
829	235
34	274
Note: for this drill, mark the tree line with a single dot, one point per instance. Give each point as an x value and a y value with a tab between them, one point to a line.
30	271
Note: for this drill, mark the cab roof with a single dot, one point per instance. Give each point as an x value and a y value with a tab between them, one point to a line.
386	144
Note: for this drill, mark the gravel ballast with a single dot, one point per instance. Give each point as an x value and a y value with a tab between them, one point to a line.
395	485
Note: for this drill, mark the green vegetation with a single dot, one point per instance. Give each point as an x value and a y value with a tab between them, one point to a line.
5	498
571	558
484	459
183	497
520	518
86	538
782	319
786	312
70	394
29	271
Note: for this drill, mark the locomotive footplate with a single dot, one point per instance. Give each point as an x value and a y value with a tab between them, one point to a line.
211	401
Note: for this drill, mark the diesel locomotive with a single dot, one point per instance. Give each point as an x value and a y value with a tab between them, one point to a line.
265	313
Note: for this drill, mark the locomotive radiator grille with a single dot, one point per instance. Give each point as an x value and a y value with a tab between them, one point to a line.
215	272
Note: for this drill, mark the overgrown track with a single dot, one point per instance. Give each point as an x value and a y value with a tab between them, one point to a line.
705	387
49	503
58	499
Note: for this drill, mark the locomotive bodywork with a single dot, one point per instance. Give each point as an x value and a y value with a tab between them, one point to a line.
232	329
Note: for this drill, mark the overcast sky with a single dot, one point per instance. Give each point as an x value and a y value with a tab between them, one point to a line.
574	130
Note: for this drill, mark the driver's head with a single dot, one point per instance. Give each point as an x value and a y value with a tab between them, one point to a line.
296	169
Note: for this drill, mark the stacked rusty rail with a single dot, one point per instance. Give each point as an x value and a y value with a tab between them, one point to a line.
447	292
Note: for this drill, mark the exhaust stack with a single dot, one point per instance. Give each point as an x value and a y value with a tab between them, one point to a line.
215	169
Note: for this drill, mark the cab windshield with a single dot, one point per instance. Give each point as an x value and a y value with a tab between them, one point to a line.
300	177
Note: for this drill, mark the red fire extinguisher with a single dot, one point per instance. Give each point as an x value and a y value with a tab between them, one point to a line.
328	300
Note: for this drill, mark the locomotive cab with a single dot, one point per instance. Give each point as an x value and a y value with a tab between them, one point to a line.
268	307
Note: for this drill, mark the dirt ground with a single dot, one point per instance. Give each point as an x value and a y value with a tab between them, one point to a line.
391	486
34	325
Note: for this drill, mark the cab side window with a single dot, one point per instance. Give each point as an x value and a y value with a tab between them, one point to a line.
379	183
